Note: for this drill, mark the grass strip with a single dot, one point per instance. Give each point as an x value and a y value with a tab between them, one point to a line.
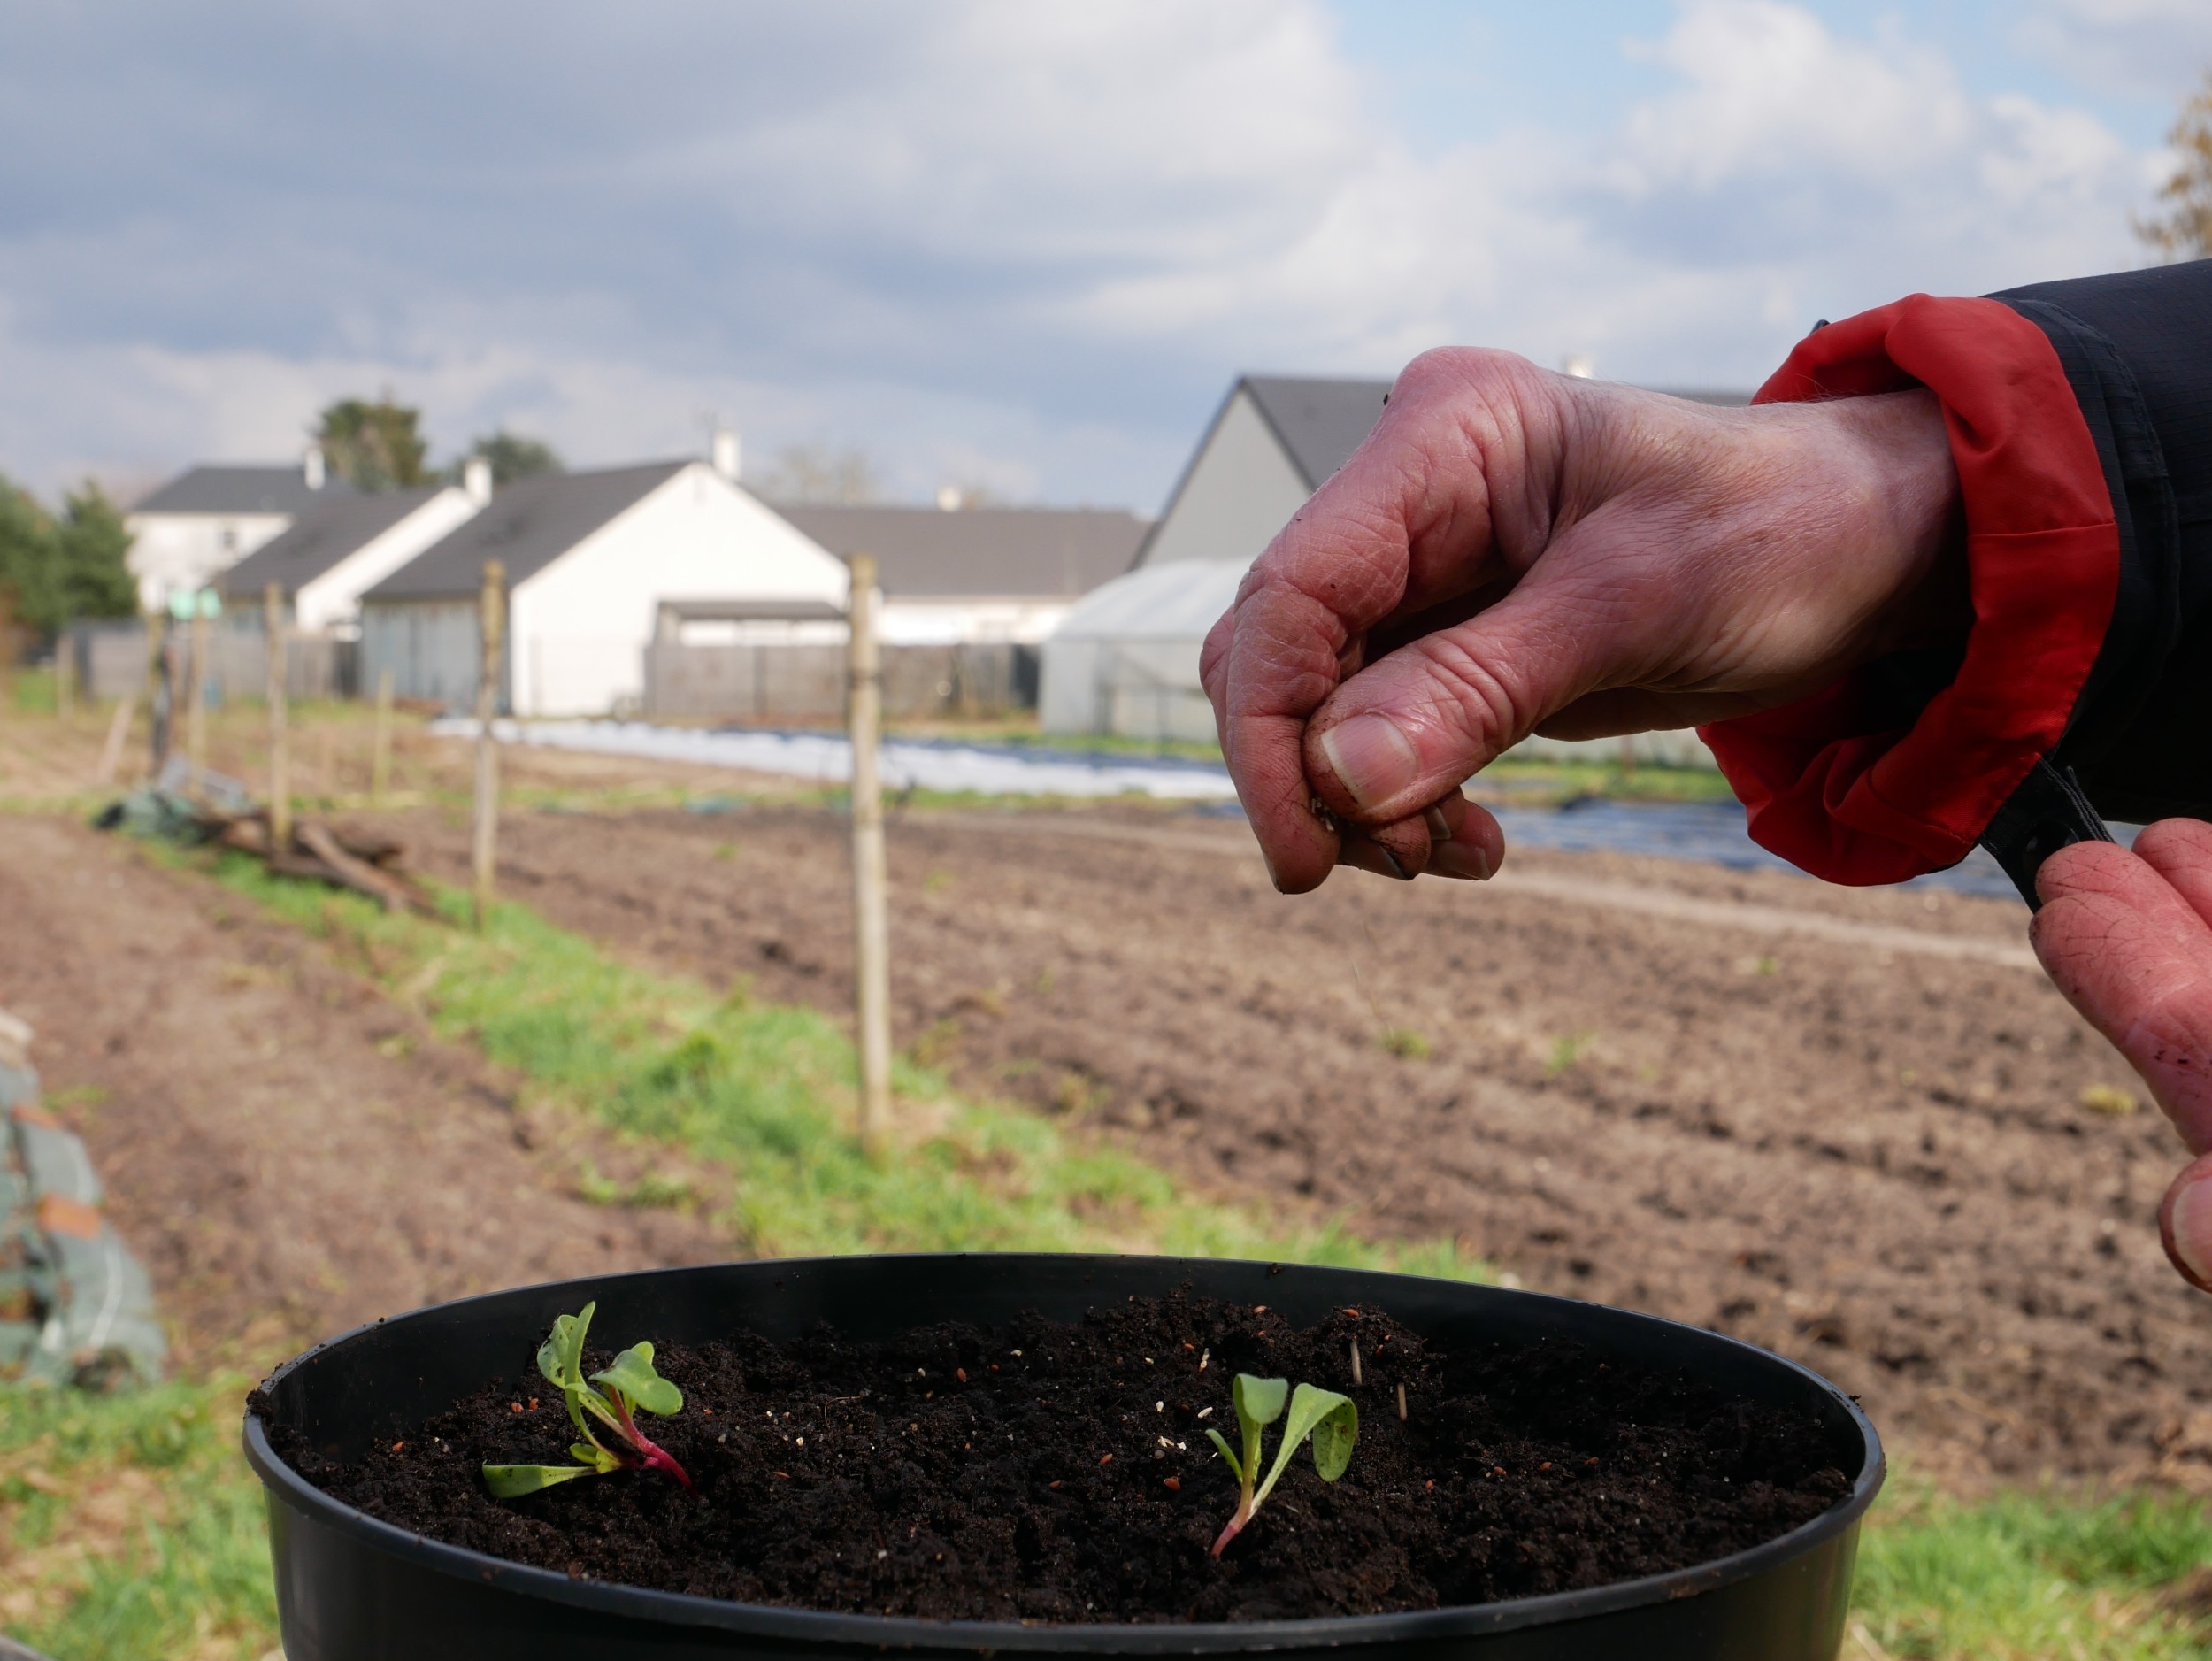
762	1090
130	1528
2026	1575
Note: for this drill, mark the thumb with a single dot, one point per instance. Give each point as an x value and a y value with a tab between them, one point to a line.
1409	728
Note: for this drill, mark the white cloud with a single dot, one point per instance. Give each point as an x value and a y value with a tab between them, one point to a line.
990	240
2157	48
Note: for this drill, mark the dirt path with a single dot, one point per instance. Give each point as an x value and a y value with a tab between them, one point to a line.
1846	1125
290	1151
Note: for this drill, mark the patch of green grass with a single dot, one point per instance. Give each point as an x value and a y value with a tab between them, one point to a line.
2027	1576
764	1091
129	1526
32	692
1511	779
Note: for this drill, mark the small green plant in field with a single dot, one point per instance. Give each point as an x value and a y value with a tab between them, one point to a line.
1405	1042
1566	1052
631	1386
1330	1419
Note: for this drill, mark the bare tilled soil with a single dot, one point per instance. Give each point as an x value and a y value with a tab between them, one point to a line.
1849	1125
290	1151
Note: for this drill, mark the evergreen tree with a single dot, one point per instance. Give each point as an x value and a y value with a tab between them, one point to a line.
55	570
90	549
513	457
374	446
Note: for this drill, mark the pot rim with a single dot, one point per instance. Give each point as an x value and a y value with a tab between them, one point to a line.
839	1628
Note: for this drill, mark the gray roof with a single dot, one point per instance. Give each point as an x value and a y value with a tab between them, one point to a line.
275	490
320	539
978	552
1320	423
526	527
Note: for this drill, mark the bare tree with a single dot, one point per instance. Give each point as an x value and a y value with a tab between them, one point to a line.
2184	231
815	472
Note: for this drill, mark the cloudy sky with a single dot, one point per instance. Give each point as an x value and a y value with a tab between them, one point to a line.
1001	242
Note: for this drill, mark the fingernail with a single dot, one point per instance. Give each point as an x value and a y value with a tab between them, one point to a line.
1440	828
1372	756
1469	860
2187	1226
1363	855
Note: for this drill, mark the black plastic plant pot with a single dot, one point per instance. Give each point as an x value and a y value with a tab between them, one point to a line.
353	1589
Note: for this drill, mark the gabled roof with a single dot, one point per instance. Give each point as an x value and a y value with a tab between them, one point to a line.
1320	423
925	553
320	538
276	490
526	527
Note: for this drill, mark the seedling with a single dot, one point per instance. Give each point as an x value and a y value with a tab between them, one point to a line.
1330	1419
629	1385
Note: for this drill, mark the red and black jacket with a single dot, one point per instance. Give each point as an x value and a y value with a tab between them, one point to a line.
2080	415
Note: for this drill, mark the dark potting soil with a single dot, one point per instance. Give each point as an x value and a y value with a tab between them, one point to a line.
1056	1472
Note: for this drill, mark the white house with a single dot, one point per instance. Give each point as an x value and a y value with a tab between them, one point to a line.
1270	445
964	576
590	559
202	522
335	553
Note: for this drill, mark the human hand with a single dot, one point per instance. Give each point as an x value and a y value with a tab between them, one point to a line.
2128	938
1514	552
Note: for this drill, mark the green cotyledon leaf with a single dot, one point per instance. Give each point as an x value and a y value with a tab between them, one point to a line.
632	1373
1259	1403
1235	1465
561	1357
1330	1419
512	1481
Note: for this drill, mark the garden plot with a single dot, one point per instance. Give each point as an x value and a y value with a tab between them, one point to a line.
289	1153
1902	1166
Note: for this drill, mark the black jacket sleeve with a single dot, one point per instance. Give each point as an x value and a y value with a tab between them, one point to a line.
2137	349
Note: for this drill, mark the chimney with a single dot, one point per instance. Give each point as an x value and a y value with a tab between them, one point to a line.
724	453
476	479
311	466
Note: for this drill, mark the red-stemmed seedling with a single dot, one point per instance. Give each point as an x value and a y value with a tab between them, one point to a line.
1330	1419
630	1386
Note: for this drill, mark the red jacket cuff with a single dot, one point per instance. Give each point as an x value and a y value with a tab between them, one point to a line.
1828	785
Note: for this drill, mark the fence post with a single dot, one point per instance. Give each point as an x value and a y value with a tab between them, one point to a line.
195	690
7	649
276	690
872	936
119	734
381	741
160	688
65	675
491	639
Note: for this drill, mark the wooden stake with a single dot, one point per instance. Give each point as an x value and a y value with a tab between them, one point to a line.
118	734
275	690
381	741
64	677
160	690
7	648
871	934
195	690
491	629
